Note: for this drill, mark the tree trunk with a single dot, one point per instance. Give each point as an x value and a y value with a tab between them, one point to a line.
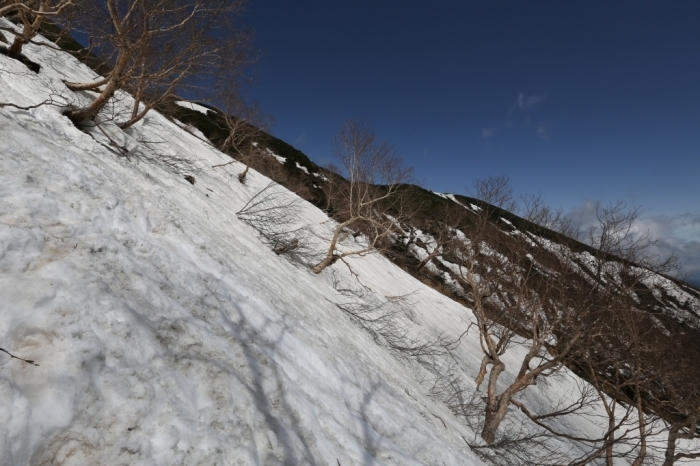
496	406
639	461
482	371
610	443
91	111
29	32
243	174
136	118
86	86
328	260
671	446
427	259
15	49
494	417
330	255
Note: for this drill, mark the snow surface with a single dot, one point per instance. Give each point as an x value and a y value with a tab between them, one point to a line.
167	332
193	106
279	158
452	198
282	160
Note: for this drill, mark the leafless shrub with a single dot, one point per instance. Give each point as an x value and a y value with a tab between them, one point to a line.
136	147
50	101
535	210
496	191
273	212
244	127
364	201
615	241
444	234
55	97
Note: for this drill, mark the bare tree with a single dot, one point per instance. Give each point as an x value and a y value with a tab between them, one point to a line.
508	294
624	379
244	129
639	375
534	209
438	235
496	191
685	428
631	353
273	212
369	202
659	375
32	14
555	304
157	48
332	177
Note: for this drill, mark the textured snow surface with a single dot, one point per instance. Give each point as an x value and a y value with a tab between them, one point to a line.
168	333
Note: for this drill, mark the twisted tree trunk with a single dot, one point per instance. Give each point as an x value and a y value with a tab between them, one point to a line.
113	83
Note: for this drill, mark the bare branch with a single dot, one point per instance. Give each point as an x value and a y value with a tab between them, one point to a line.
28	361
369	202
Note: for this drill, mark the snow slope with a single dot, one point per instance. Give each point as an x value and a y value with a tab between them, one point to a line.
167	332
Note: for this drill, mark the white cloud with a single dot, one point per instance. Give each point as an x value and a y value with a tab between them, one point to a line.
488	132
527	102
675	234
583	216
542	130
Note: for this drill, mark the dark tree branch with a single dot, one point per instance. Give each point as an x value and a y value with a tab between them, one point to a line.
28	361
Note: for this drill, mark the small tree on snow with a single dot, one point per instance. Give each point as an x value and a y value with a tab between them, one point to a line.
32	13
363	203
159	48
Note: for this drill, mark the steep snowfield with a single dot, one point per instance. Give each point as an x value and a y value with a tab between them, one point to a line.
167	333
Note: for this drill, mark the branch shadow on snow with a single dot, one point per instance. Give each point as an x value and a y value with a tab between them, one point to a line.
281	420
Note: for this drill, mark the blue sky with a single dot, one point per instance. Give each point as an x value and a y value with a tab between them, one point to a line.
579	101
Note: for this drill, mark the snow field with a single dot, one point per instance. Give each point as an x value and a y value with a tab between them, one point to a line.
165	331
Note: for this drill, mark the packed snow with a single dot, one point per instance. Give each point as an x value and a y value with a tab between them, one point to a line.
167	332
452	198
193	106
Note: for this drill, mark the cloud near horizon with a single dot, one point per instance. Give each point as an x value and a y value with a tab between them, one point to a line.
675	234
